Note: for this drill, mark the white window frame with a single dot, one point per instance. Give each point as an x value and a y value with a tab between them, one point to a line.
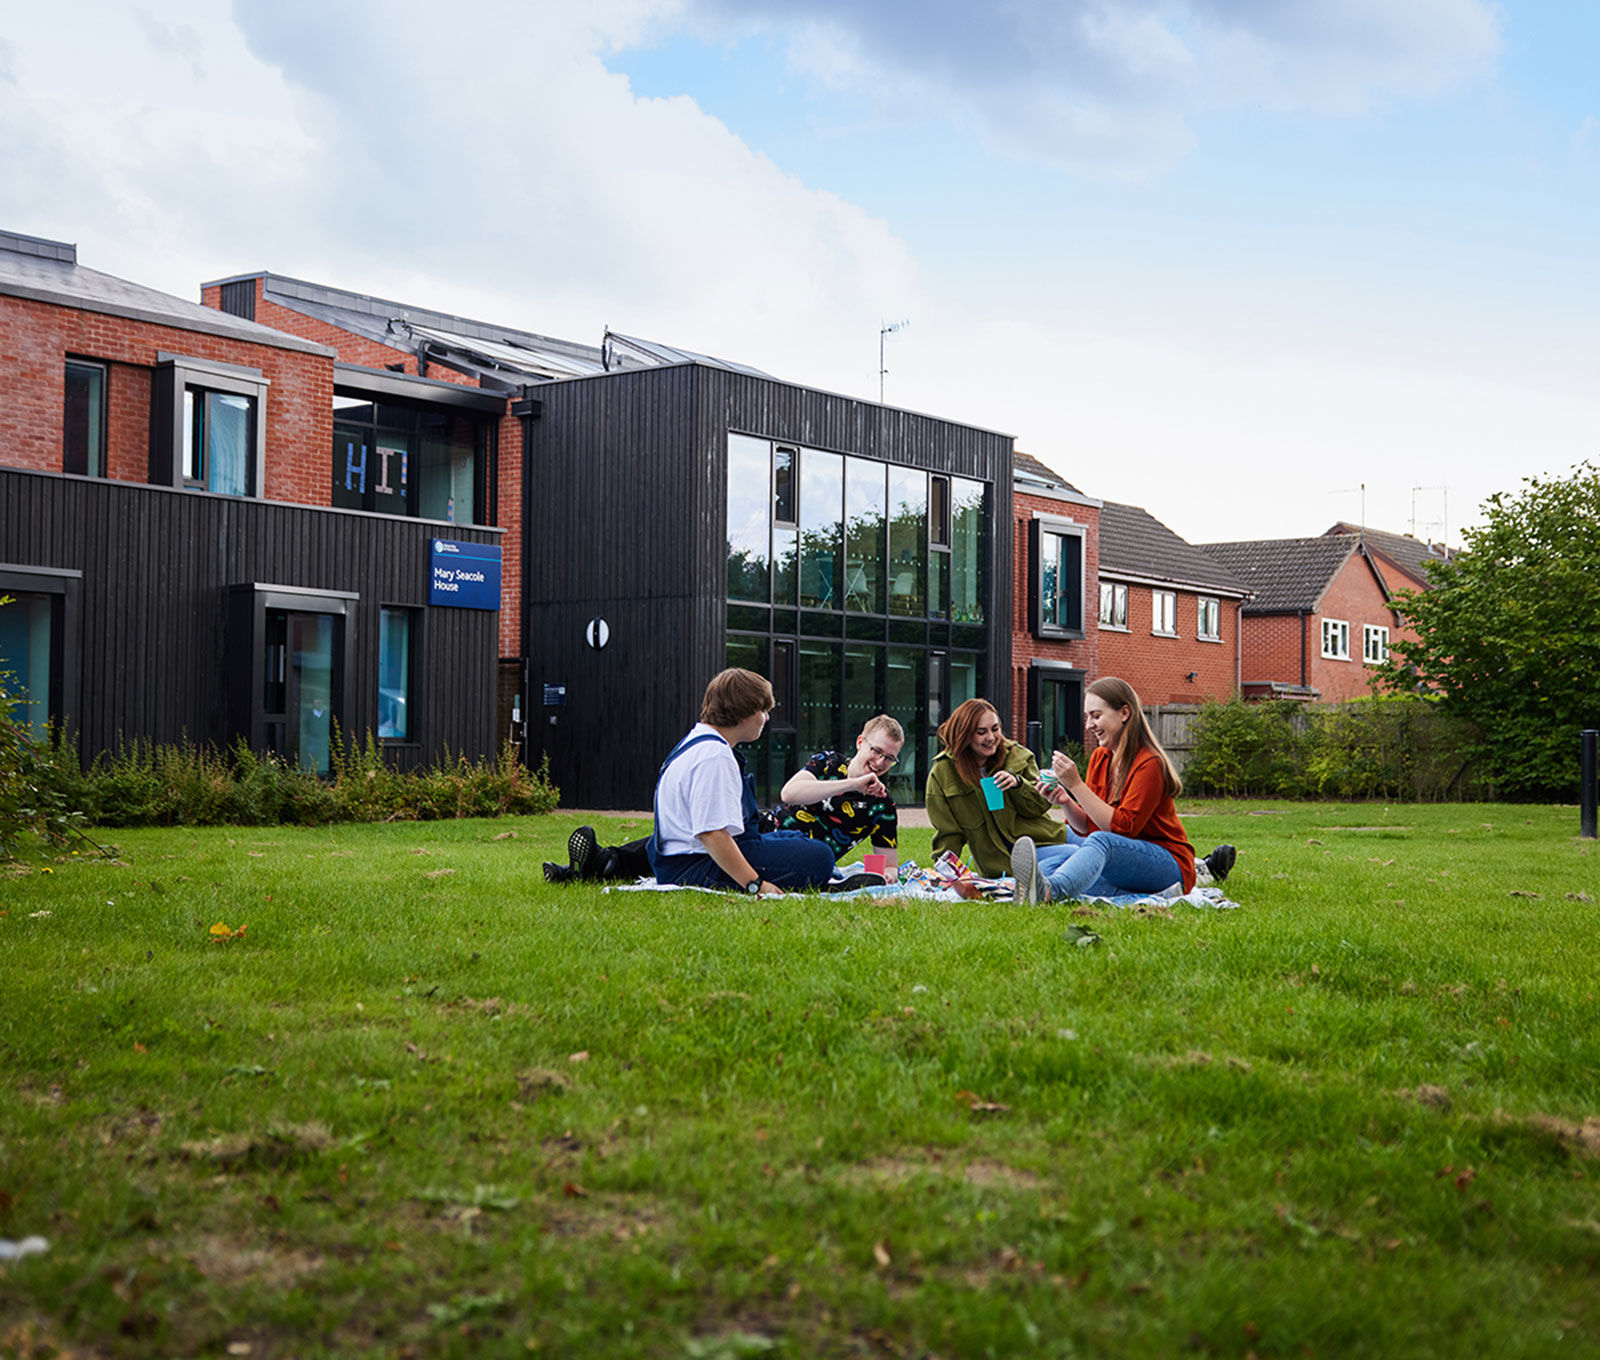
1374	644
1336	639
1114	606
1212	606
1164	613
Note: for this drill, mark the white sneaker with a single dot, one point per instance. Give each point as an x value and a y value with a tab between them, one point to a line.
1032	886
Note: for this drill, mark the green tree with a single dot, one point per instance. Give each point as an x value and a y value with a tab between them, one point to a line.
1509	637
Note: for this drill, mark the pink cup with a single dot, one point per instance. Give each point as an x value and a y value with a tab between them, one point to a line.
876	864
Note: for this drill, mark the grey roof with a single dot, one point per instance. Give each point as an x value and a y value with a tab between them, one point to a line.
1029	468
502	356
1410	554
48	271
1285	574
1133	542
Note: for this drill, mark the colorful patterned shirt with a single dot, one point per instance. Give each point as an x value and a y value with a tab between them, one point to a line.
844	819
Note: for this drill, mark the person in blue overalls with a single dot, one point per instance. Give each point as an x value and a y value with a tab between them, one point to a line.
706	830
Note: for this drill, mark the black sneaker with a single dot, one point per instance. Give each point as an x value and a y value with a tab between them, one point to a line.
556	873
581	846
860	878
1220	862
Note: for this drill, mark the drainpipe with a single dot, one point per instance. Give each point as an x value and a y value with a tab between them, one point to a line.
1305	679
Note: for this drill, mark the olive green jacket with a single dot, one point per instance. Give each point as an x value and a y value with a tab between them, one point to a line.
960	816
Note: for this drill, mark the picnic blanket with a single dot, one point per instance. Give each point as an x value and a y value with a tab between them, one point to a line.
926	885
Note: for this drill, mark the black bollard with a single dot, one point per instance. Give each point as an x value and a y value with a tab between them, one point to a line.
1588	740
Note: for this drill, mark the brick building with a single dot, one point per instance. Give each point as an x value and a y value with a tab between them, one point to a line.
1168	612
182	567
1318	621
1053	645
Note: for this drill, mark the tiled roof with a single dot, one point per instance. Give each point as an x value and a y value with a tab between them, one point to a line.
48	271
1407	552
1284	573
1025	465
1133	542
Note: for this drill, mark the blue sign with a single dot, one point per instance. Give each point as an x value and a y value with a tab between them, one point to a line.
464	575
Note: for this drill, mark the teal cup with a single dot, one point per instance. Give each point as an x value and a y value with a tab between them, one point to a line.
991	794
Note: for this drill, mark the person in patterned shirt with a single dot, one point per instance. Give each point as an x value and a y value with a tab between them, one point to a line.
817	801
841	798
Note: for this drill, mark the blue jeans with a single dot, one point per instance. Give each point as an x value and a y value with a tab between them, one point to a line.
789	860
1104	864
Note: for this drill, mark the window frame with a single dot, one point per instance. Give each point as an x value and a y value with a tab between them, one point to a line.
1158	598
95	455
1338	630
176	375
64	586
1041	529
414	616
1205	604
1374	655
1116	594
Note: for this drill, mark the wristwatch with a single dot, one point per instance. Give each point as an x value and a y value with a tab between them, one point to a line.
753	887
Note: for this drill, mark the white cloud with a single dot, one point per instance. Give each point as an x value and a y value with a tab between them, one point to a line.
1089	83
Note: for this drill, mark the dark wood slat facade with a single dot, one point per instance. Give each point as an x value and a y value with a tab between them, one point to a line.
626	483
150	621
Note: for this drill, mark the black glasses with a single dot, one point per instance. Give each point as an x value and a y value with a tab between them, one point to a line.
888	760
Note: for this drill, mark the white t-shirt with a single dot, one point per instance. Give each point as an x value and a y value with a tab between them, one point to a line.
702	790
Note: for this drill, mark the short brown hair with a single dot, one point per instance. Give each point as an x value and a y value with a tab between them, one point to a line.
887	726
734	695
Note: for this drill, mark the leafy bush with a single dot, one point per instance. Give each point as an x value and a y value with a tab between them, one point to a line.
1401	747
145	784
1243	749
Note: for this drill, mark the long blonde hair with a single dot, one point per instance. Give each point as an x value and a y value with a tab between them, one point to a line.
1137	736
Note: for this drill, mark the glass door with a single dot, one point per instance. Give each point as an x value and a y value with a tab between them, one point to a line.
301	682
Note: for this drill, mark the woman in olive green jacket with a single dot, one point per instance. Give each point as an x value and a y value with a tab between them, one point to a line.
975	747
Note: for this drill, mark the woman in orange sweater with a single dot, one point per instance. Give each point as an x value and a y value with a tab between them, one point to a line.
1126	836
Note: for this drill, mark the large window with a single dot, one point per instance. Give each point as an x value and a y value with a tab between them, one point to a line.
1113	605
27	658
38	661
218	441
84	419
1056	586
395	713
404	459
1336	639
1209	624
210	423
1164	612
858	587
1374	645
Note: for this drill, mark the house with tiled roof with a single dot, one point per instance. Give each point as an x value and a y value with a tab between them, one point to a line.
1318	622
1402	553
1169	614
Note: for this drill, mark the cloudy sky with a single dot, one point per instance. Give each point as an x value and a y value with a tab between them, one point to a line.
1226	259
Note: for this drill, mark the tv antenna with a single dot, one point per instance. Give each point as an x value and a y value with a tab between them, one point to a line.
1444	527
1350	490
884	331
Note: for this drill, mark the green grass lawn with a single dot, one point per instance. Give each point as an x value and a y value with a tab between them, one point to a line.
427	1105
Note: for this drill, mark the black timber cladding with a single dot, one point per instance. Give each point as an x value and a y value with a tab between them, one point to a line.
625	518
152	611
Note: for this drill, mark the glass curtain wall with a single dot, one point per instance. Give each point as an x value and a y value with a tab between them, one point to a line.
857	587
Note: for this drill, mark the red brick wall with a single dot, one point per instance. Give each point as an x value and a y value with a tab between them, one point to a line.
1080	652
510	519
1157	665
38	336
352	348
1272	642
1272	648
